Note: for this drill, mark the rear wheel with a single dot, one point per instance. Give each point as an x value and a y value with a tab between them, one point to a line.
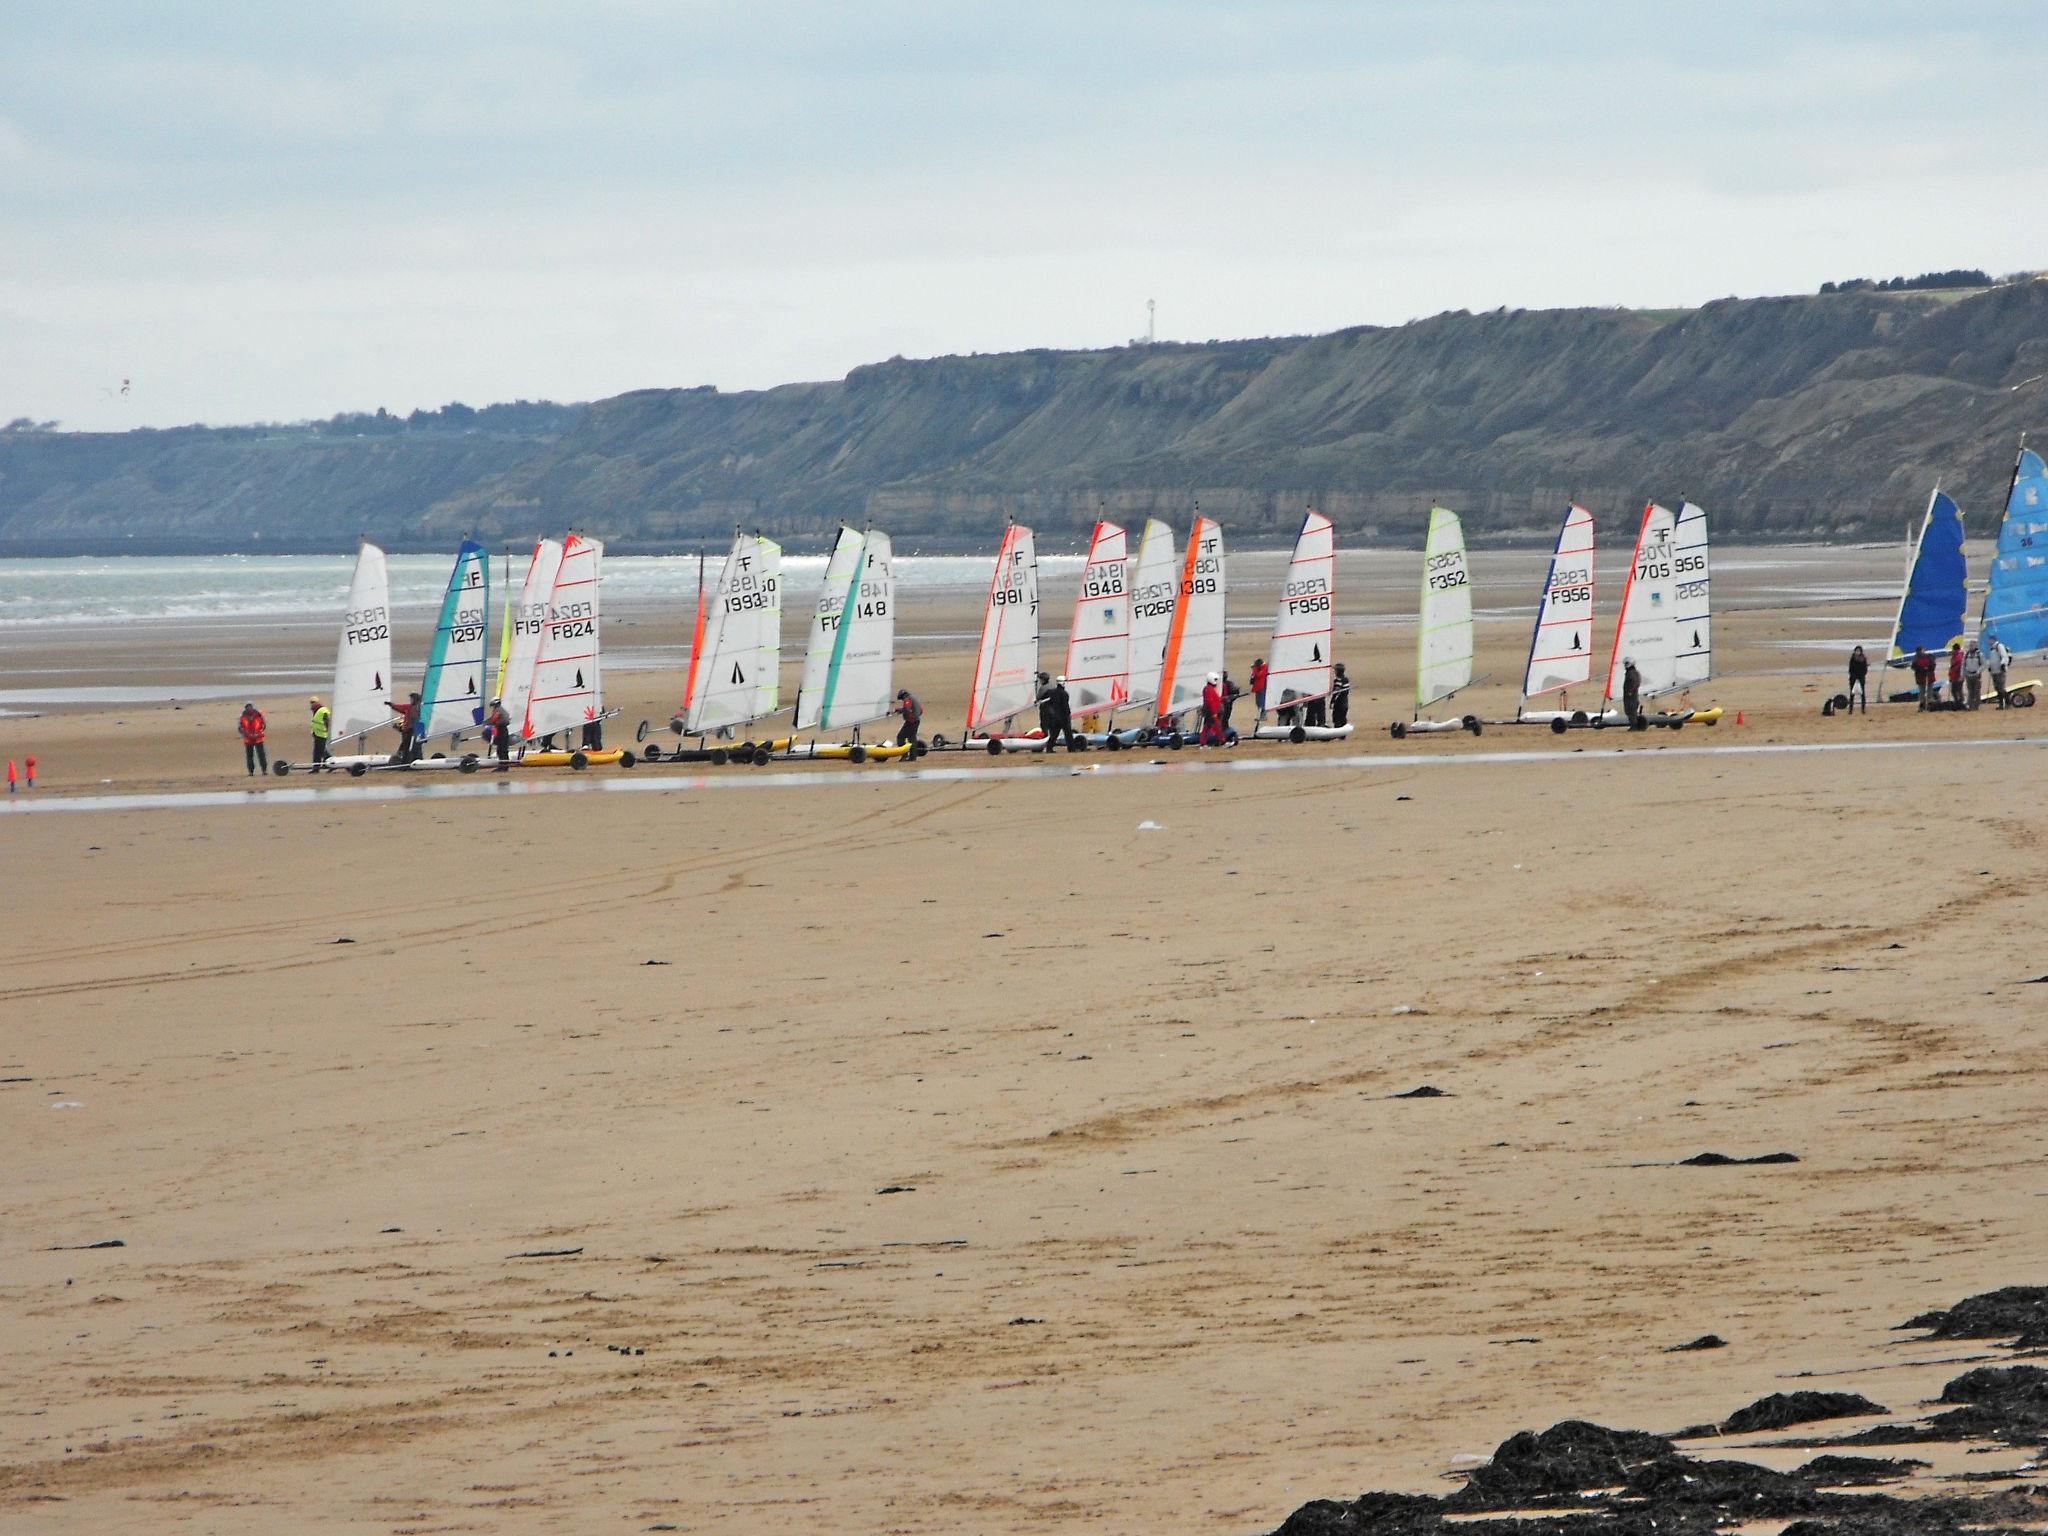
1298	735
579	760
280	767
1558	727
1113	742
995	748
1397	729
719	757
2025	700
856	753
1471	723
627	760
357	770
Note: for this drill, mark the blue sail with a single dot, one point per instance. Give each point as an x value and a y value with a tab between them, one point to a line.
453	689
1931	612
2016	601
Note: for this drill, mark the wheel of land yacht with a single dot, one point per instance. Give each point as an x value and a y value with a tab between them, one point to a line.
1396	729
1113	742
1578	717
468	763
939	740
995	748
1558	727
762	755
718	757
1175	741
1298	735
1471	723
280	767
640	731
918	749
1598	722
856	753
357	770
579	760
653	752
2025	700
627	760
1678	725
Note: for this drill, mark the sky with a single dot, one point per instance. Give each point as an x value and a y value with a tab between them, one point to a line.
265	212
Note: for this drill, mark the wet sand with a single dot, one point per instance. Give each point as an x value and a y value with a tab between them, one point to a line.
970	1159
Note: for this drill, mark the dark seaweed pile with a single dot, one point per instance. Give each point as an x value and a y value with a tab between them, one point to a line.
1620	1482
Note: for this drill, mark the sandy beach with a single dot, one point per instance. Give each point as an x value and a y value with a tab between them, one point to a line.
936	1152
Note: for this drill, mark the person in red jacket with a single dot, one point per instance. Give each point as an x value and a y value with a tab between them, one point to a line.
1955	675
251	727
1923	676
1259	685
1212	711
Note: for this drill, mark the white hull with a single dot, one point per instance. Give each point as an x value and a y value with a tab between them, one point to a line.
1403	728
1299	733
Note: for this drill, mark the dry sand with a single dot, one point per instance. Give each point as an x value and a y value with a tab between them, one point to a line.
1163	1248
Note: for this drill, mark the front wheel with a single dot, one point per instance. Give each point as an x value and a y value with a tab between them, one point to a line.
995	748
1558	727
579	760
1397	730
468	763
1298	735
357	770
280	767
856	753
640	731
627	760
1471	723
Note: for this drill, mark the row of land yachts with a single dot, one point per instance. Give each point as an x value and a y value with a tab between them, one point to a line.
1144	662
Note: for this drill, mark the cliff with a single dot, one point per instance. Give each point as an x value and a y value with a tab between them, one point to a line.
1825	415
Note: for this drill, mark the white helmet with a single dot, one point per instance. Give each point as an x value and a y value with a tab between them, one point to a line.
1215	677
1061	680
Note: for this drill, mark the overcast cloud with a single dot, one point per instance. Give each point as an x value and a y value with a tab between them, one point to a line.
262	212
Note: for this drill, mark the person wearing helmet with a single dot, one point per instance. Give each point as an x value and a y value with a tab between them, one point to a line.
251	728
1212	711
913	717
1056	715
498	731
1340	697
323	726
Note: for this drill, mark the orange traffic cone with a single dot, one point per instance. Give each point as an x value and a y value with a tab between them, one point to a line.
1738	717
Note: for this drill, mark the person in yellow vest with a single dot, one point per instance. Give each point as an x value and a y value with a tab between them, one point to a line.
323	723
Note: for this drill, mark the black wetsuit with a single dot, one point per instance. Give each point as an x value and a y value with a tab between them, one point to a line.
1056	716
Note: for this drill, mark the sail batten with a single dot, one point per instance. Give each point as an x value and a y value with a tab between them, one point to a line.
2015	610
1561	644
1006	662
1099	642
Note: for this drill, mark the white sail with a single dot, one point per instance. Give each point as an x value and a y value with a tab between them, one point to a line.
1194	644
1561	646
1443	641
1099	644
568	690
1298	659
1692	597
362	661
452	691
529	616
735	677
1155	583
849	666
1646	632
1006	664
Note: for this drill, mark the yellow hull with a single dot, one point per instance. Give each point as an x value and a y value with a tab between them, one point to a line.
568	759
843	751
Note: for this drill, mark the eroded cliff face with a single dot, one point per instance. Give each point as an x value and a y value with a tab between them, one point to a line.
1827	415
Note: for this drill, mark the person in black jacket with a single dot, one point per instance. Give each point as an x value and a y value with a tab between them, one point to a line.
913	717
1631	693
1056	713
1340	697
1859	680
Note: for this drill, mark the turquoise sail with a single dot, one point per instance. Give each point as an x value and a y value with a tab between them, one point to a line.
1931	611
452	693
2016	601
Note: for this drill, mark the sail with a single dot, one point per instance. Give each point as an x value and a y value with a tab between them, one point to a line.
2016	601
735	670
1443	638
1561	645
529	615
1691	597
567	690
1006	664
1645	632
362	662
452	693
1298	659
1153	590
1194	641
1099	644
850	665
505	630
1931	607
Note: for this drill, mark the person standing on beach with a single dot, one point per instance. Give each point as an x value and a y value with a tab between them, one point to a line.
1631	693
1056	715
251	727
498	727
1259	686
10	775
1973	675
1859	680
913	717
30	764
1340	697
1231	694
1212	711
408	723
1923	676
1955	675
1997	660
323	726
